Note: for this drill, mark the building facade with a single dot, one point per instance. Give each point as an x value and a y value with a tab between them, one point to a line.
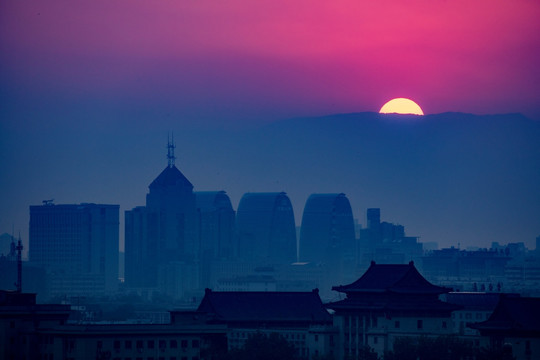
162	249
513	327
266	228
389	301
78	245
298	317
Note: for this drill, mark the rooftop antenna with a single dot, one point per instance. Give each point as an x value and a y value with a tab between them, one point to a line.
19	264
170	150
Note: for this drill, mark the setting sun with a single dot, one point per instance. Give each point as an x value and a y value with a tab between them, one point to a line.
401	106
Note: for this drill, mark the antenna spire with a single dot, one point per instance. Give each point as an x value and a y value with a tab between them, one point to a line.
170	150
19	264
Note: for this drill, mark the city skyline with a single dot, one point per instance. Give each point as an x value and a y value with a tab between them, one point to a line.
89	91
487	191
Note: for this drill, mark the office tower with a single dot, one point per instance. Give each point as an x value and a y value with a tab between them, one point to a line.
161	238
327	228
77	245
216	224
373	219
266	229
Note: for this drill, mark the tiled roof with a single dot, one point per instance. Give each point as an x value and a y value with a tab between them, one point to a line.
268	307
513	314
392	278
170	176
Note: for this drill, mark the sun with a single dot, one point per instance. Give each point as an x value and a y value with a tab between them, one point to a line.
401	106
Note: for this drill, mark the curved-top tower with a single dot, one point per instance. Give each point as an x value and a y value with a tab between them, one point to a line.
266	228
327	228
216	224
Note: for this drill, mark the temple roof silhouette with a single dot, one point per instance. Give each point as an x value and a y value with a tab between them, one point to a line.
395	278
170	176
240	306
513	315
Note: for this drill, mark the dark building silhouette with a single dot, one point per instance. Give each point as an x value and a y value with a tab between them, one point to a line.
298	317
465	266
216	221
385	242
266	228
515	323
216	224
475	307
161	239
387	302
327	230
22	321
78	247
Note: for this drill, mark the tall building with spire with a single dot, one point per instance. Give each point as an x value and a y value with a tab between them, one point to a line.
161	238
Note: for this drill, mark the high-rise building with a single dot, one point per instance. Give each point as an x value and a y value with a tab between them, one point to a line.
266	229
77	245
216	224
327	228
161	238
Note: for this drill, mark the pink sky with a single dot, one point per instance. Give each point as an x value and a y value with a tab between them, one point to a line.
273	59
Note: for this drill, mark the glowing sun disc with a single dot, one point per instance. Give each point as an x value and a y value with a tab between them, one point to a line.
401	106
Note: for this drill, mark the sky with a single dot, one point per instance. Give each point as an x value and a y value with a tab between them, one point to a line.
85	85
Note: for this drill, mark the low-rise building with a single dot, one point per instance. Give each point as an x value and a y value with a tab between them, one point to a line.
387	302
515	322
299	317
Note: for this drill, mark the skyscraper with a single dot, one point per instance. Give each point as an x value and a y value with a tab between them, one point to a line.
161	238
216	224
77	245
327	228
266	229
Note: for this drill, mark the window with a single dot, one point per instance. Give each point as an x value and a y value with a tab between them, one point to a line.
116	344
316	338
397	325
162	344
183	344
173	344
100	344
150	344
195	343
420	324
375	340
468	316
140	344
127	344
444	325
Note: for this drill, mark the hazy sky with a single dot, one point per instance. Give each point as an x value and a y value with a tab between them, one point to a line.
85	83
